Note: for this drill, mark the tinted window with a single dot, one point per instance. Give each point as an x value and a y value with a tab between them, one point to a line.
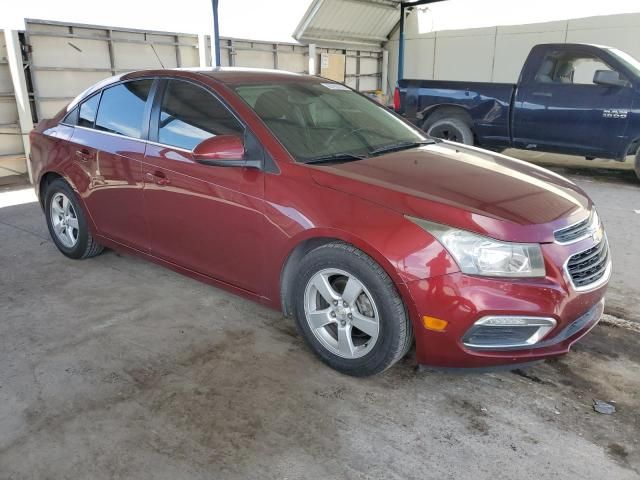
88	111
314	120
71	118
122	108
190	114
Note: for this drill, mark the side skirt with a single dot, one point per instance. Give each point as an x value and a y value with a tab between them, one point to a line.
112	244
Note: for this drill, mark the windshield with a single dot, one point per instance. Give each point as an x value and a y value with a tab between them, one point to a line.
326	120
626	59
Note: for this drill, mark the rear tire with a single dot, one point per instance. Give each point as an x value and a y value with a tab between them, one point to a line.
67	222
637	164
451	128
364	328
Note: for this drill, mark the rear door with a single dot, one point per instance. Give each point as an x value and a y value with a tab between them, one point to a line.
113	146
208	219
560	108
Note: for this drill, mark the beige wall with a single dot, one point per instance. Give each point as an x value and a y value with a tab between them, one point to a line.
496	54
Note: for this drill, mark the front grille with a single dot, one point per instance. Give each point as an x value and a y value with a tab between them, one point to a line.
589	266
573	232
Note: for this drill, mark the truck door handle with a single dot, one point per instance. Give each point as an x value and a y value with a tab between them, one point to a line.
84	154
542	94
157	177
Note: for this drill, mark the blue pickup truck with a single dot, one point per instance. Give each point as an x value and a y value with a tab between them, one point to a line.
575	99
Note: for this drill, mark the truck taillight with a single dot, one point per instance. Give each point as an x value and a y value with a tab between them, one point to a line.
396	99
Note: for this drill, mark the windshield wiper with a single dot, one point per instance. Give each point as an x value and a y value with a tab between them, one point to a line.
399	146
336	157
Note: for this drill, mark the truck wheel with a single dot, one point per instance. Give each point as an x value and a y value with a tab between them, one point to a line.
453	129
637	164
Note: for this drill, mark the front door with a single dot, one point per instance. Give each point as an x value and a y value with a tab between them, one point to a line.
208	219
561	109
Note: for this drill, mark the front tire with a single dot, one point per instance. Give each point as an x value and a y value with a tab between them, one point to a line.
67	222
349	311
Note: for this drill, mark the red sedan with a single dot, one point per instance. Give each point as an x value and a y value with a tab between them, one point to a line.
309	197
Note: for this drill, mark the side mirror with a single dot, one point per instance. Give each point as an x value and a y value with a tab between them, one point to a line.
223	151
609	78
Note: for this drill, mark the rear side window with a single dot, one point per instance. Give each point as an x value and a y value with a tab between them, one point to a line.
122	108
190	114
71	118
88	111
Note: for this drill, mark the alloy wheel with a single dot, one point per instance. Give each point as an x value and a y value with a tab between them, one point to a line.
341	313
64	220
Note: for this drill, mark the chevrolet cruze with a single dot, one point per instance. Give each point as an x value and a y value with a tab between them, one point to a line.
308	197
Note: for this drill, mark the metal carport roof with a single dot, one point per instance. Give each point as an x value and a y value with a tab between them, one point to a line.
348	22
355	23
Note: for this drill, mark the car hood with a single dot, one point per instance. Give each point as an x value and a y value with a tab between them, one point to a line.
465	187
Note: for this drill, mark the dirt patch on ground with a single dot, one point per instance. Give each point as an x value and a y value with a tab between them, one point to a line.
605	365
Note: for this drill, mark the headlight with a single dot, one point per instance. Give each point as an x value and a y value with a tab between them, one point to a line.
478	255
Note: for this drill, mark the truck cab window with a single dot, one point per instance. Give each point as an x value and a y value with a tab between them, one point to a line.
570	68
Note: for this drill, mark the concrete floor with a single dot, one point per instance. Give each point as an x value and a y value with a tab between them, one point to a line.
117	368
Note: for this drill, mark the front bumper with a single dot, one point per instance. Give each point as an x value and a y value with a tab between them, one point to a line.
462	299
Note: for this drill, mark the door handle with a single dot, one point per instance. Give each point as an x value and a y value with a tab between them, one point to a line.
157	177
542	94
84	154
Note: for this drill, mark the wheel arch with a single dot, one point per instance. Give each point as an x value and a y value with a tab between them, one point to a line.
631	149
313	240
435	113
45	180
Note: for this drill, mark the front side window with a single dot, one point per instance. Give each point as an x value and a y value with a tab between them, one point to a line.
319	120
88	110
190	114
122	106
570	68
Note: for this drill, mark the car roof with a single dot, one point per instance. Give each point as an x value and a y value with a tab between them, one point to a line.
223	75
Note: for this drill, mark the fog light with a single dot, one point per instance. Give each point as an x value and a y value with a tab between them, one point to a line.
507	332
433	323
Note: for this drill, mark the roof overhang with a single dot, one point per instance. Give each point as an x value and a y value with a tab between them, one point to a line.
348	23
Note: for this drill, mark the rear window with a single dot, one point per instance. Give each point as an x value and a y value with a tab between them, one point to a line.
122	108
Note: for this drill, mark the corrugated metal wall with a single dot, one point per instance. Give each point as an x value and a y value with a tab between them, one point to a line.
362	72
497	53
11	148
66	58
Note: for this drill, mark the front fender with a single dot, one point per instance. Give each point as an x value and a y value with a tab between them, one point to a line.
405	251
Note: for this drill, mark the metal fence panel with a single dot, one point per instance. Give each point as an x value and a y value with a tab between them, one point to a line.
12	160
